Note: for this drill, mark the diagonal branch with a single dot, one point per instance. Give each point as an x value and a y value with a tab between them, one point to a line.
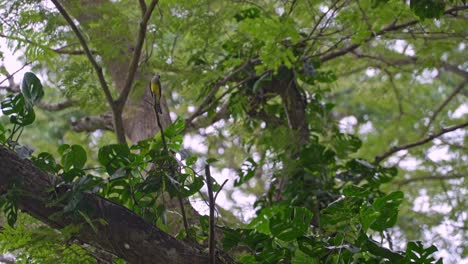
200	110
87	51
418	143
390	28
132	68
457	90
114	228
430	178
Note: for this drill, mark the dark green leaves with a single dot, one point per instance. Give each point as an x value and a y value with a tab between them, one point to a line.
290	223
428	8
387	207
416	253
31	88
114	157
246	172
17	110
73	157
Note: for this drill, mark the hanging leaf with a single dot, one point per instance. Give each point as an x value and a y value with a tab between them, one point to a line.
31	88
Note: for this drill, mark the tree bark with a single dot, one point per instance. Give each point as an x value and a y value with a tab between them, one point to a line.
122	232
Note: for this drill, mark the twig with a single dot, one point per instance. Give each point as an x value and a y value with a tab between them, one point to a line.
212	210
418	143
390	28
457	90
218	85
430	178
220	188
9	76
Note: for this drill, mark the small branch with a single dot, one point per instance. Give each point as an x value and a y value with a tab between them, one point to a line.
56	106
430	178
457	90
220	188
93	123
418	143
132	68
212	210
9	77
389	28
218	85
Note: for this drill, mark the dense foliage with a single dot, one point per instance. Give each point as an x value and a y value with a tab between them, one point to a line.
315	105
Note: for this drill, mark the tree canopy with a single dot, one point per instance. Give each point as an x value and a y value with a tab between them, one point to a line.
343	122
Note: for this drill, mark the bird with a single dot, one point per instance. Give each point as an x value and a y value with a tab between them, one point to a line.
156	88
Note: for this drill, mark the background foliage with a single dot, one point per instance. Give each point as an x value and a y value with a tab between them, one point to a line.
373	75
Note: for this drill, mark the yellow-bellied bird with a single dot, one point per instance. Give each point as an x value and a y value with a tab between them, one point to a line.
156	91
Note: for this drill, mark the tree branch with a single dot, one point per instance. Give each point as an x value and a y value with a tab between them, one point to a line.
457	90
93	123
116	111
115	228
418	143
132	68
56	106
389	28
430	178
218	85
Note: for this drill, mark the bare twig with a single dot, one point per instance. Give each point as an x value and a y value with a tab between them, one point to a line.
220	188
218	85
430	178
418	143
9	77
457	90
212	210
389	28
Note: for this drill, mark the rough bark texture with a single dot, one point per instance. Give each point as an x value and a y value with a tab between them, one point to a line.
124	234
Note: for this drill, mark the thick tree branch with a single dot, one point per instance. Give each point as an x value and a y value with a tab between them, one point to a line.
115	228
56	106
418	143
93	123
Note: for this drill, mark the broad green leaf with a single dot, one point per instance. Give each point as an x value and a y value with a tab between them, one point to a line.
73	157
19	112
114	157
31	88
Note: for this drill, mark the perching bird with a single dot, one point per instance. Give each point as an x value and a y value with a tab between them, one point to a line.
156	91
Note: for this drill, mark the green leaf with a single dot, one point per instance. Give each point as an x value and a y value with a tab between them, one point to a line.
31	88
46	162
428	8
416	253
291	223
246	172
18	112
176	128
73	157
387	207
114	157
